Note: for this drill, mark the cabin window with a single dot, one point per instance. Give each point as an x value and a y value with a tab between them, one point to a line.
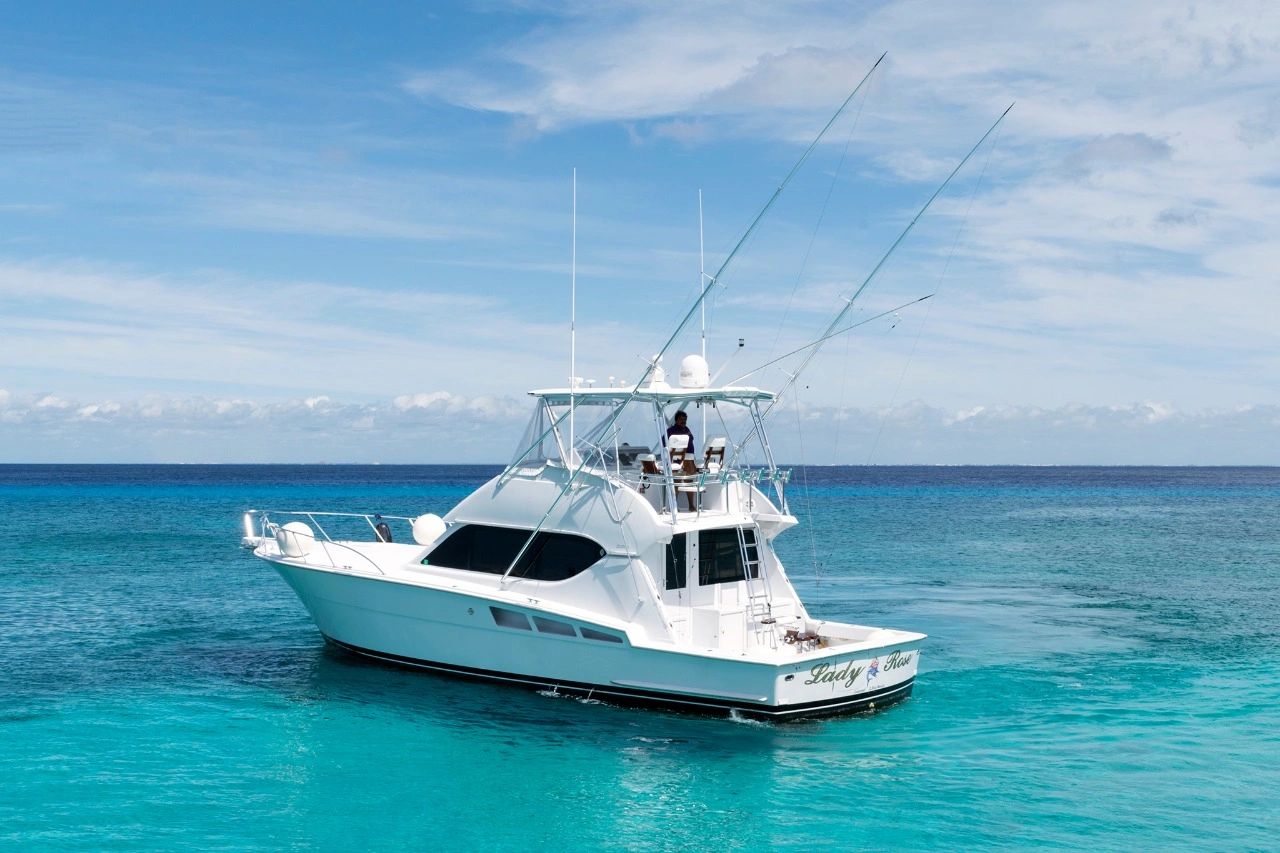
553	626
592	634
509	618
676	563
720	556
481	548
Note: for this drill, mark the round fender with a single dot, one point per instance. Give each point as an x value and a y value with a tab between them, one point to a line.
295	539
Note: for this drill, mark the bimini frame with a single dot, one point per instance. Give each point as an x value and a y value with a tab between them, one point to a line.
595	447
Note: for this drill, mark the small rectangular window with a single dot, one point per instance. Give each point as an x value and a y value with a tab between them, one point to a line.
676	563
551	626
510	618
592	634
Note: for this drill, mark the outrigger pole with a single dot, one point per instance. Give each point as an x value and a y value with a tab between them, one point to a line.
715	279
830	331
573	312
693	309
828	337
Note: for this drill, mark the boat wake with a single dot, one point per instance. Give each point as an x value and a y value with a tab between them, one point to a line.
582	700
736	717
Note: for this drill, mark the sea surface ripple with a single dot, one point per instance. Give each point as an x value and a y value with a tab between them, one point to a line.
1102	673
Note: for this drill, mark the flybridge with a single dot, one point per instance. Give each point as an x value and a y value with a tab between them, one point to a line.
633	438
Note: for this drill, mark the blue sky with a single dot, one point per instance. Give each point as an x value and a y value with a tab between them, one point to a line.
330	232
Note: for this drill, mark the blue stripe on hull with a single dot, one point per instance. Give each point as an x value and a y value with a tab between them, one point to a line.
652	698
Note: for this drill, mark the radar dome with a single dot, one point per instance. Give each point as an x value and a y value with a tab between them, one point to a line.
694	372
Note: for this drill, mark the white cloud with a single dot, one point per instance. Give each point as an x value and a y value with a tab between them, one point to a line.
1135	434
49	401
178	429
217	327
445	427
423	400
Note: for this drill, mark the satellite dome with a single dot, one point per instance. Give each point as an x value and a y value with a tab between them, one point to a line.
694	372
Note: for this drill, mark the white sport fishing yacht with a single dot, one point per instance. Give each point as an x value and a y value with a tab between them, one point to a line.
616	565
616	557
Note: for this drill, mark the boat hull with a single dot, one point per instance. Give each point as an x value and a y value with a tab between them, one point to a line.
863	703
457	633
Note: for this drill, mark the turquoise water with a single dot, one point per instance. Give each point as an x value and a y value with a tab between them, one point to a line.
1103	673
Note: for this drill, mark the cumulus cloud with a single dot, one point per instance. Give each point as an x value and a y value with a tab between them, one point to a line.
443	427
429	426
1149	433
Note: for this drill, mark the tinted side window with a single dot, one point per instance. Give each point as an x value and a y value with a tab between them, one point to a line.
720	557
478	548
493	548
454	552
557	556
550	557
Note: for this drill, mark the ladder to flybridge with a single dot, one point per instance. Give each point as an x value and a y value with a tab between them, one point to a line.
759	605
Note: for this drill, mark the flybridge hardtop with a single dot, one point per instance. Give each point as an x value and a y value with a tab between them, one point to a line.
652	394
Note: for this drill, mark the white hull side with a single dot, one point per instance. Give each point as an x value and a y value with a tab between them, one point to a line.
455	632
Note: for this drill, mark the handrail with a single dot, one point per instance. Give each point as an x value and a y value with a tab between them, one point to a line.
341	514
334	563
325	540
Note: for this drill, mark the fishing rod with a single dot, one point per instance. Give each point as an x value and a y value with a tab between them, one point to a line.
849	302
867	281
714	281
825	338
